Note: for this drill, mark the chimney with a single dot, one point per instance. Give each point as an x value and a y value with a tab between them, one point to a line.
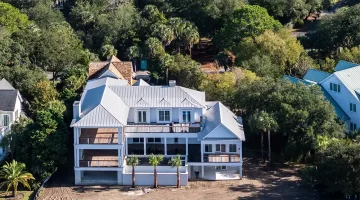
172	83
76	109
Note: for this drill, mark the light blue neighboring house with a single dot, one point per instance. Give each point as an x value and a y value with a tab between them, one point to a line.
341	89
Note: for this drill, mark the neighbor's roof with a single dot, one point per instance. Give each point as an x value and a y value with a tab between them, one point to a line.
342	65
218	115
5	85
8	99
350	78
96	69
315	75
141	82
159	96
101	107
297	80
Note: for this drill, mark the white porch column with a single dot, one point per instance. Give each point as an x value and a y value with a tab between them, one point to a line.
75	156
240	151
78	135
202	172
202	151
120	136
165	146
126	146
119	158
144	145
75	136
187	148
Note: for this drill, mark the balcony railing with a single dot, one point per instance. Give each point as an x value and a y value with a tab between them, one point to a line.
99	163
144	160
98	140
164	128
221	158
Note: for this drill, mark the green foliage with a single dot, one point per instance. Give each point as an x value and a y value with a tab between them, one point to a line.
14	173
106	51
132	161
155	160
248	21
11	18
278	52
12	52
43	14
337	168
263	121
300	112
337	30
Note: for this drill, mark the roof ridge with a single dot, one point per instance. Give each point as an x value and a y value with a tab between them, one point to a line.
110	113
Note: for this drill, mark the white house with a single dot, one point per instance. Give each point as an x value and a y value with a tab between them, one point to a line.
114	120
341	88
10	108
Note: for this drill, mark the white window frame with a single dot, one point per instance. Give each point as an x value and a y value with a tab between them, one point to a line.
220	148
154	140
352	106
164	110
187	120
353	126
335	87
230	148
2	118
139	140
208	151
136	115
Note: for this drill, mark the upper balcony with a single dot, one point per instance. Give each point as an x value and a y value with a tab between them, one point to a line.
222	158
99	136
163	128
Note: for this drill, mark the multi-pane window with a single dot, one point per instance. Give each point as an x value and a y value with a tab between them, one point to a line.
186	116
220	167
176	140
6	120
220	148
353	127
164	115
142	116
152	140
232	147
138	140
335	87
352	107
208	147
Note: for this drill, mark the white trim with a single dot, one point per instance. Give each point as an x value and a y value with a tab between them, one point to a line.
136	112
158	116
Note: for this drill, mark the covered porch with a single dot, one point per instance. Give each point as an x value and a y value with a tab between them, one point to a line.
99	136
99	158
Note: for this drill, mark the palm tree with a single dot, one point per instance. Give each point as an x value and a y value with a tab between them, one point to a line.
133	161
176	162
265	122
164	33
14	173
191	36
155	160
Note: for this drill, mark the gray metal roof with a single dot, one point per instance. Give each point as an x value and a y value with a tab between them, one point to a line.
350	78
8	99
316	75
159	96
218	115
5	85
101	107
141	82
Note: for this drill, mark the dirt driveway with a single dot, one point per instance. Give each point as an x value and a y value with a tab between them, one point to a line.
258	183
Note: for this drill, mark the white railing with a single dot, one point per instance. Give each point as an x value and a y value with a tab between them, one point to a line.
167	128
221	158
145	158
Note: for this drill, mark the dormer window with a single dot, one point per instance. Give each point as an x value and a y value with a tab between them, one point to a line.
186	116
142	116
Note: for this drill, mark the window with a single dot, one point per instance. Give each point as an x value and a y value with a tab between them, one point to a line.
232	147
220	167
141	116
352	107
154	140
176	140
138	140
220	148
353	127
6	120
208	147
335	87
164	115
186	116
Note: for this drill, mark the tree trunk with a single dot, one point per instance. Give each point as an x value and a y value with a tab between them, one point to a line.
155	178
14	190
269	147
190	50
178	178
133	177
262	147
54	78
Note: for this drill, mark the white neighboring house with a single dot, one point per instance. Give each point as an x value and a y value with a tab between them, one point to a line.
341	88
114	120
10	108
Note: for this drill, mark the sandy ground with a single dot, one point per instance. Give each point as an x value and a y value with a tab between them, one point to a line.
259	182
